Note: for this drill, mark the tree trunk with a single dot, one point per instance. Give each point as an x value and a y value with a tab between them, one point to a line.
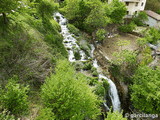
5	21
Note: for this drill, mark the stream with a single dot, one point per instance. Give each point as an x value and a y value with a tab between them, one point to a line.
71	45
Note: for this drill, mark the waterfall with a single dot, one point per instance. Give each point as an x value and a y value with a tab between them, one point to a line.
71	45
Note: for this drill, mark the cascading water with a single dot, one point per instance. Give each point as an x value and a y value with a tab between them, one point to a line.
71	45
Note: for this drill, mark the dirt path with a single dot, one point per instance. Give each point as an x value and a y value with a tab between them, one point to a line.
110	45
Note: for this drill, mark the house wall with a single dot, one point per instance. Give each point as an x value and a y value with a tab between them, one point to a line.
153	22
133	5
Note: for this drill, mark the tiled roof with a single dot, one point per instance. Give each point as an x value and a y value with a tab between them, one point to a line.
153	14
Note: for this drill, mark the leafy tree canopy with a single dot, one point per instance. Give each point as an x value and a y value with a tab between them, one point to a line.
68	95
145	90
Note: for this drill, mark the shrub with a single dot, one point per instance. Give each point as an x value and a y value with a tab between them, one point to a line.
127	28
45	114
87	66
115	116
77	55
5	115
64	92
140	18
14	97
100	35
73	29
93	80
95	74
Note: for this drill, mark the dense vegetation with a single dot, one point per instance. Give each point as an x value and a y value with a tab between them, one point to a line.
153	5
37	81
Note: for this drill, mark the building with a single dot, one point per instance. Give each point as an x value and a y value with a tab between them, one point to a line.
153	19
133	6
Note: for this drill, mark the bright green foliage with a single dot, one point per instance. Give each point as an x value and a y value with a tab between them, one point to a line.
96	18
153	35
86	14
5	115
68	95
100	35
145	90
117	11
14	97
127	28
45	114
140	18
146	56
125	57
115	116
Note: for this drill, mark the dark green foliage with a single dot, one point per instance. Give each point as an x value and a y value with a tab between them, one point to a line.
127	28
55	41
93	81
140	18
77	55
46	8
153	5
73	29
87	66
94	72
68	95
14	97
145	90
102	89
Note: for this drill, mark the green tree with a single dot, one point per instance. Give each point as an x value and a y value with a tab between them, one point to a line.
115	116
97	18
127	28
152	35
14	97
101	35
68	95
140	18
46	8
117	11
145	90
6	7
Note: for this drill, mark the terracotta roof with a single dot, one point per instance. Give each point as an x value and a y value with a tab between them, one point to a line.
153	14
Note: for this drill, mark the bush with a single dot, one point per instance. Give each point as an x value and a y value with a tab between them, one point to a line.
93	80
115	116
127	28
14	97
64	92
73	29
140	18
87	66
100	35
77	55
95	74
46	114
